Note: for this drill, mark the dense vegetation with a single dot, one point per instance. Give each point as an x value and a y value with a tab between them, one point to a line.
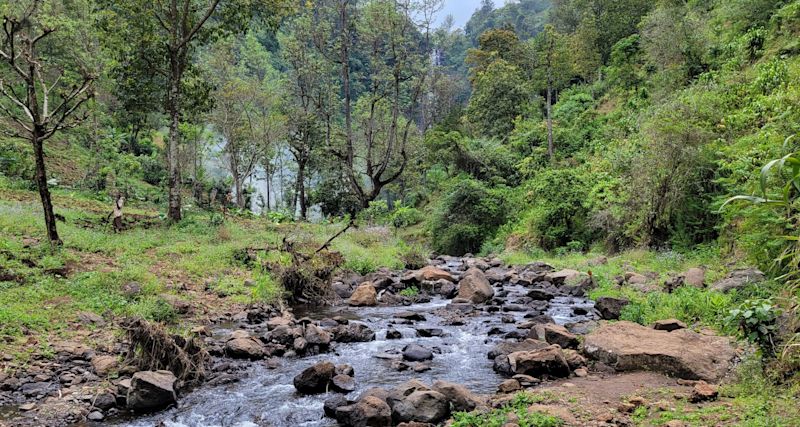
544	129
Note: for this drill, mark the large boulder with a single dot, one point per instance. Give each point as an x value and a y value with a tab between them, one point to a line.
315	379
460	398
627	346
548	361
610	308
317	336
475	287
241	345
554	334
369	411
738	279
425	406
151	391
365	295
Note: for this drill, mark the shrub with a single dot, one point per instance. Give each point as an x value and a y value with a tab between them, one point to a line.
406	216
466	217
414	257
376	213
757	321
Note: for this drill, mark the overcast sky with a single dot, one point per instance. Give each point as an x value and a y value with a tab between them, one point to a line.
462	10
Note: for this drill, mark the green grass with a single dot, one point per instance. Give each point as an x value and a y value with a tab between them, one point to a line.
519	406
39	302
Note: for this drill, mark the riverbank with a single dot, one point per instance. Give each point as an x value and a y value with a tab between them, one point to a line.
62	344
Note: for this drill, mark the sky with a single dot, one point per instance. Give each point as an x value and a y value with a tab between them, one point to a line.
462	10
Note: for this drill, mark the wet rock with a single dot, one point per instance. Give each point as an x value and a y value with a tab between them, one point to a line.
446	288
508	347
379	392
474	287
610	308
460	398
393	334
695	277
333	403
345	369
703	392
103	365
365	295
241	345
541	294
426	406
669	325
548	361
343	383
410	315
300	344
627	346
427	273
738	279
368	411
430	332
342	290
353	332
499	274
416	353
554	334
317	336
278	321
509	386
315	379
526	380
151	391
104	401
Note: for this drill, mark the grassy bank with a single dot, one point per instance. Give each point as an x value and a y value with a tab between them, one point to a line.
148	270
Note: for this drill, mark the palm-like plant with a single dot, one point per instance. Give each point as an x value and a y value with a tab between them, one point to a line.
788	201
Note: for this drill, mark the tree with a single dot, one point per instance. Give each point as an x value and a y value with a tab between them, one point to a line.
165	35
43	90
499	95
552	63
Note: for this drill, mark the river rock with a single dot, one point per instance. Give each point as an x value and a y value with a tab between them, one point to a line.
702	392
509	386
344	369
368	411
627	346
416	353
242	346
317	336
426	406
333	403
365	295
507	347
669	325
610	308
547	361
554	334
151	391
315	379
475	287
393	334
353	332
103	365
343	383
460	398
427	274
738	279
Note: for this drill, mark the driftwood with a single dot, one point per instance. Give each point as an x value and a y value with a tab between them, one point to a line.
152	348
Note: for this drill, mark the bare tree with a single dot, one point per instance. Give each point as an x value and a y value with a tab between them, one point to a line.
40	97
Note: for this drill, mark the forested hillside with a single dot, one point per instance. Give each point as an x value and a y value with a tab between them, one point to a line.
229	154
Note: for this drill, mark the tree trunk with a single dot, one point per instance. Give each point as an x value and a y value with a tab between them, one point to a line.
550	146
174	180
237	180
44	191
301	189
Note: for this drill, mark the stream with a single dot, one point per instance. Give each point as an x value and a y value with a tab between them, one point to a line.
266	397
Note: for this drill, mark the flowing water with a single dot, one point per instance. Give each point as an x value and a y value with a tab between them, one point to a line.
266	397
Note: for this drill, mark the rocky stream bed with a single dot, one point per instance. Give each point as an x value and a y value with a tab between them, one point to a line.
473	332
